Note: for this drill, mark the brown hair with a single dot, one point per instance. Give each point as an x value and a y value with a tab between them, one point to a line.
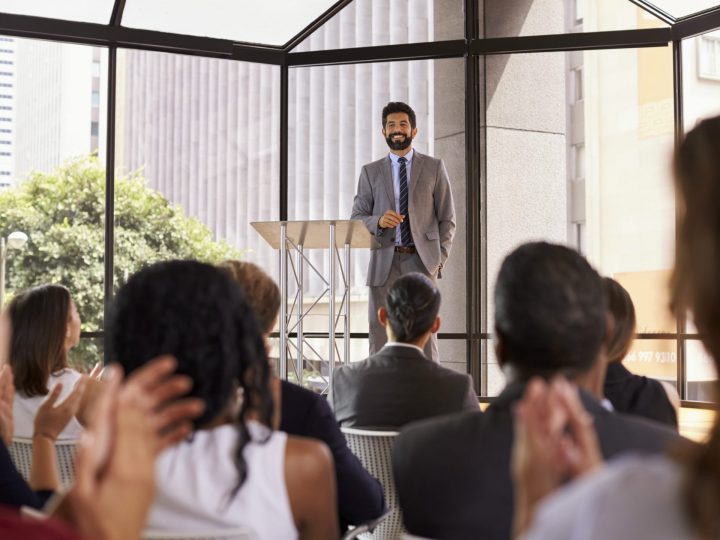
622	309
39	318
695	284
261	292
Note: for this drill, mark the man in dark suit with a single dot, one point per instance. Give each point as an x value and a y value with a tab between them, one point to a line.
305	413
453	473
400	384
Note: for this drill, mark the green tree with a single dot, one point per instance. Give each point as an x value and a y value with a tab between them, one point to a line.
63	213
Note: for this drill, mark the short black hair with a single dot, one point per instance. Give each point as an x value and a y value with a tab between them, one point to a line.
398	107
550	309
194	312
412	304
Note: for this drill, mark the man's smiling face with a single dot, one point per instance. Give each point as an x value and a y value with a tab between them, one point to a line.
398	132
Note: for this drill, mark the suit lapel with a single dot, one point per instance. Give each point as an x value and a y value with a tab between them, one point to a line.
388	181
417	165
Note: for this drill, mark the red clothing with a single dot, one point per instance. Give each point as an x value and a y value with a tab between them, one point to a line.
14	526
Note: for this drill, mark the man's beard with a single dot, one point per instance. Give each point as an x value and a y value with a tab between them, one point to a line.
400	144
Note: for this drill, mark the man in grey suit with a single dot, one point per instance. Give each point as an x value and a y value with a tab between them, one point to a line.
399	384
406	204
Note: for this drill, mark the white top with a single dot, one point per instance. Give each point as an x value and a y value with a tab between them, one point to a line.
196	477
25	408
633	498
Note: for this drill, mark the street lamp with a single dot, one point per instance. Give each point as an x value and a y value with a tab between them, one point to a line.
15	240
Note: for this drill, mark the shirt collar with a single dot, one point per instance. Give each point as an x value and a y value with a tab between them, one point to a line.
409	156
398	344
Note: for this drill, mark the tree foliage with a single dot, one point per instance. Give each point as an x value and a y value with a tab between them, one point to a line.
63	213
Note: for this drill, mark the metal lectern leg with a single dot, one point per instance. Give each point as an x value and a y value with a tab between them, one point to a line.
300	311
331	303
282	367
348	285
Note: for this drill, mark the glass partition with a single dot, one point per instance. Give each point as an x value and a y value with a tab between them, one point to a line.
335	128
197	157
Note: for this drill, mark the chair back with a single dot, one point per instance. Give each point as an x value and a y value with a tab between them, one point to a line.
374	450
21	454
228	534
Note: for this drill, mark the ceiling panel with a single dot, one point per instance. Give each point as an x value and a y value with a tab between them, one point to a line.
269	22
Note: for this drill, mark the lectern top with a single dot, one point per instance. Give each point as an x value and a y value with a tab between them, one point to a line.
316	234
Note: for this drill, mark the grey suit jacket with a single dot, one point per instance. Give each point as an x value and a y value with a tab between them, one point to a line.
430	207
396	386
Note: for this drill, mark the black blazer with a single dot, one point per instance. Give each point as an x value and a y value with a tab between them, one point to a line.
453	473
14	490
638	395
305	413
396	386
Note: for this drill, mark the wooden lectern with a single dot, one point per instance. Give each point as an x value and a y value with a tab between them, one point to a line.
292	238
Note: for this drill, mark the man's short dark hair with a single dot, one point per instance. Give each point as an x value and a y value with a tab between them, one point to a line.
398	107
550	309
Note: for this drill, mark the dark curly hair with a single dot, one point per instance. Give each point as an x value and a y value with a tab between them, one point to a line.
412	304
194	312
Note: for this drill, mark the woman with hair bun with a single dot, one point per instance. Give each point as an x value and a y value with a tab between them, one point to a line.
399	384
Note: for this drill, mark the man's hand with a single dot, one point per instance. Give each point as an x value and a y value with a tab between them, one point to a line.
390	220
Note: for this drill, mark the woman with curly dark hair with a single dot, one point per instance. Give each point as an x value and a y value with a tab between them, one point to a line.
234	471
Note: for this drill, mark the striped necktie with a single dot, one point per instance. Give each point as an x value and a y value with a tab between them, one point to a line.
405	235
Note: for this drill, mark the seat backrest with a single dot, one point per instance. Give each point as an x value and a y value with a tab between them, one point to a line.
229	534
374	450
21	454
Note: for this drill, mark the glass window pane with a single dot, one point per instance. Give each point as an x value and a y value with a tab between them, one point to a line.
87	353
701	373
198	159
272	23
682	8
656	358
52	173
335	128
93	11
365	23
701	78
618	206
499	18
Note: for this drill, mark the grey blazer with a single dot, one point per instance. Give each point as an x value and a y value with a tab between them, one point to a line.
430	206
396	386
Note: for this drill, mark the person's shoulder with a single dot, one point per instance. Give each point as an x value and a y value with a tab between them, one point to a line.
376	164
446	427
615	497
307	457
619	432
297	393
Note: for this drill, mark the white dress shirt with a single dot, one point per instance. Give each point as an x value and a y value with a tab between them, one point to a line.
395	165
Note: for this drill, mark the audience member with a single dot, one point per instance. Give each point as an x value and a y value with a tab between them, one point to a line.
399	384
234	470
307	414
453	474
627	392
660	498
46	325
